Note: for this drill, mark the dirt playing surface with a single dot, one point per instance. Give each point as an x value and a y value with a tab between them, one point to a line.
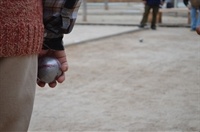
122	84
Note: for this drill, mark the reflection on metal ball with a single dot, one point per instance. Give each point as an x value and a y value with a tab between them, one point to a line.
48	69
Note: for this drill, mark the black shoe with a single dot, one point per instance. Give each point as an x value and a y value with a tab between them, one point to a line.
153	27
141	26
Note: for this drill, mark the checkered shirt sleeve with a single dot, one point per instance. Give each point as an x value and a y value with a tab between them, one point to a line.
59	17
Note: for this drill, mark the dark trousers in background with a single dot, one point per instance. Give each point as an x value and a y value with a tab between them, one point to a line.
146	13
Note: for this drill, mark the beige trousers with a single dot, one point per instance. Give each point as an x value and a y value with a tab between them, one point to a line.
17	91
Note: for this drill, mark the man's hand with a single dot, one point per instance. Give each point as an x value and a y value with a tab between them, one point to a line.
198	30
61	56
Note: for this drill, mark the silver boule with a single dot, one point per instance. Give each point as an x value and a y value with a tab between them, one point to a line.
48	69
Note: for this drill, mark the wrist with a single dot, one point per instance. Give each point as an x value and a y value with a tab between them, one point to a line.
53	44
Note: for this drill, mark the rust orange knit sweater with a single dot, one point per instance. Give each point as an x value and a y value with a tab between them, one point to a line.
21	27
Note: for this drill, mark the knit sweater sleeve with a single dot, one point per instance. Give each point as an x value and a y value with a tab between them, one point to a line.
59	19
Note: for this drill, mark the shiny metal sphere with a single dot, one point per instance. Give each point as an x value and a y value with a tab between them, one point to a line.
48	69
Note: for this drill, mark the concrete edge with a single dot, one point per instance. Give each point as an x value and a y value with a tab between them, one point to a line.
107	36
159	24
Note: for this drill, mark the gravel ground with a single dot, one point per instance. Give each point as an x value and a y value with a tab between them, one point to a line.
122	84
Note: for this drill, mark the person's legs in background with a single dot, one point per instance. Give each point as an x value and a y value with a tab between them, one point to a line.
198	18
155	12
17	90
145	16
193	17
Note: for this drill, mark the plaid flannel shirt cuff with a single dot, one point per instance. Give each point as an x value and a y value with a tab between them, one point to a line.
53	43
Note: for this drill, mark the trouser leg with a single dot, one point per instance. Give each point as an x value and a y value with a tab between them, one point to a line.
17	91
145	15
198	18
193	14
155	12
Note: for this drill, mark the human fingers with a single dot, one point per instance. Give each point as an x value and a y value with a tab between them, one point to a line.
62	58
40	83
61	78
52	84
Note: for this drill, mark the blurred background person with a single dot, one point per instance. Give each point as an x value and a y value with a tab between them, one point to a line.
194	7
154	5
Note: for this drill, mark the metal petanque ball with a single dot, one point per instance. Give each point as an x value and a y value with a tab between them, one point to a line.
141	40
48	69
